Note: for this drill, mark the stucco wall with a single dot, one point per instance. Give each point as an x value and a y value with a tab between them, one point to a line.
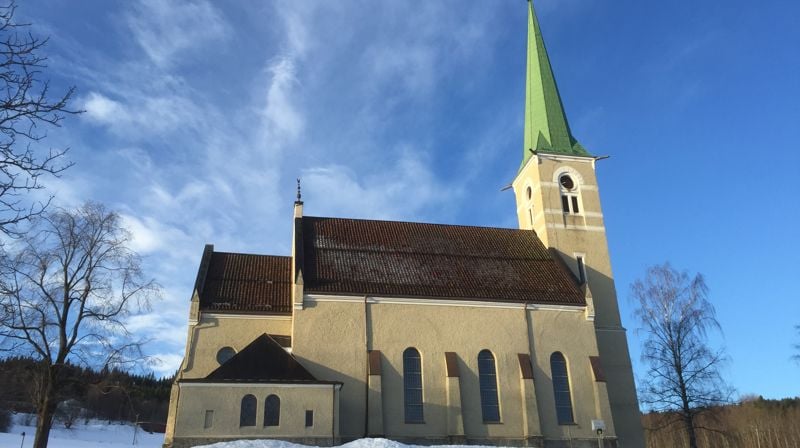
333	334
225	401
215	331
329	340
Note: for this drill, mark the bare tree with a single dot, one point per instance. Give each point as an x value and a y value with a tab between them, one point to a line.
683	376
26	110
796	346
68	286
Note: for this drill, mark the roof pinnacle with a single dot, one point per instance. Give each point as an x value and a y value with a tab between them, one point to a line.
546	126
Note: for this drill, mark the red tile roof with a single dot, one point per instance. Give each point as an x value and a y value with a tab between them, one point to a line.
394	259
244	282
354	256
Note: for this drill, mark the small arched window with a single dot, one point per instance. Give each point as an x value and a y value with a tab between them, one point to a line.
247	415
272	411
412	385
487	376
558	368
569	194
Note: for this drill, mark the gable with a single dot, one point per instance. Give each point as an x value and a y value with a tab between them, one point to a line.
263	360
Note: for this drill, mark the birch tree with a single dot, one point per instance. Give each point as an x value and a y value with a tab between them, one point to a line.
683	377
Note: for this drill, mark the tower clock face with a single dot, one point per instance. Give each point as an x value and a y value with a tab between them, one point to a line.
567	182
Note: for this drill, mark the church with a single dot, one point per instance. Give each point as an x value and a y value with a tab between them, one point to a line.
423	333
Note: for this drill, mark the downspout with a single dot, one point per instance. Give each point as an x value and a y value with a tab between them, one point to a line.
366	369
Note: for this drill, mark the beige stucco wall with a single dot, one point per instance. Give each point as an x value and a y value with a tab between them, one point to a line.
225	400
329	340
214	331
332	336
573	336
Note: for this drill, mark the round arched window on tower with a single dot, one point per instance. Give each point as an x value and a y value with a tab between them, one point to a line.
224	354
567	182
529	192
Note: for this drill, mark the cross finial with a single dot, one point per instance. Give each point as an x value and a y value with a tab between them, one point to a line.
299	196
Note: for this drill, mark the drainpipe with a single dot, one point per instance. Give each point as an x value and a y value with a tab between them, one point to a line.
366	369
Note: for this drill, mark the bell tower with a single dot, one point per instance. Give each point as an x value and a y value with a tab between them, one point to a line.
558	197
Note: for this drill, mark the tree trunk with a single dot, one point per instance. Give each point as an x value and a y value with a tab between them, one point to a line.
46	408
688	422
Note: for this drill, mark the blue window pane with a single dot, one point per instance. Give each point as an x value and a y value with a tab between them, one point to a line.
558	369
272	411
247	415
487	378
412	385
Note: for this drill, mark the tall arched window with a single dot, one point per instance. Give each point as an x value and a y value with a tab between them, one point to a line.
412	385
247	415
272	411
487	376
558	368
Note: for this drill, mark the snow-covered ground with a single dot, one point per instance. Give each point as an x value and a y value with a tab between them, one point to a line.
95	434
101	434
361	443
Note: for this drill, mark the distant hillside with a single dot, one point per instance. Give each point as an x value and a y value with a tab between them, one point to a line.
108	394
753	423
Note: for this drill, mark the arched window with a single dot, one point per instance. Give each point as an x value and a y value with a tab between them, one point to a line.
558	368
272	411
247	415
569	194
487	376
412	385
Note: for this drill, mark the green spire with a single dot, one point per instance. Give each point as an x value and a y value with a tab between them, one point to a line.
546	127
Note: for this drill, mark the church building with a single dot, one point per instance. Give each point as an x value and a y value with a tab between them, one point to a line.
423	333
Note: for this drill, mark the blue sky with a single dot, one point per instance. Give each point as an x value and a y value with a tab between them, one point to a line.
200	115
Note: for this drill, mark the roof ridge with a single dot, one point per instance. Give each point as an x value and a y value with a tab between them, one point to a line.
252	254
443	254
465	226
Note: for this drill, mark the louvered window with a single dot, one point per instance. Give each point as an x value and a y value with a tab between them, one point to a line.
569	195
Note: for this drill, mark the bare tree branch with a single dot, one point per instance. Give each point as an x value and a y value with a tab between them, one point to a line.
66	290
27	109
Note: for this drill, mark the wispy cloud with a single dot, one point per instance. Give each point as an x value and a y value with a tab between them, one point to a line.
165	30
190	159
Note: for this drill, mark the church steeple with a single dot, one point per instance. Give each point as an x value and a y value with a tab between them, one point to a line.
546	126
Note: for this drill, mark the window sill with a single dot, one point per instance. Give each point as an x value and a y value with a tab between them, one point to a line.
492	423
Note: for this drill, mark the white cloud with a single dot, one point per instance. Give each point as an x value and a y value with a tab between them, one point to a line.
187	165
406	189
165	29
103	109
281	114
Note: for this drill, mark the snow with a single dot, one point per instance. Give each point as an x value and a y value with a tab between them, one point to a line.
94	434
361	443
101	434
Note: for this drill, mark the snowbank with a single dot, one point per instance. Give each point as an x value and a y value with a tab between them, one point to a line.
361	443
94	434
